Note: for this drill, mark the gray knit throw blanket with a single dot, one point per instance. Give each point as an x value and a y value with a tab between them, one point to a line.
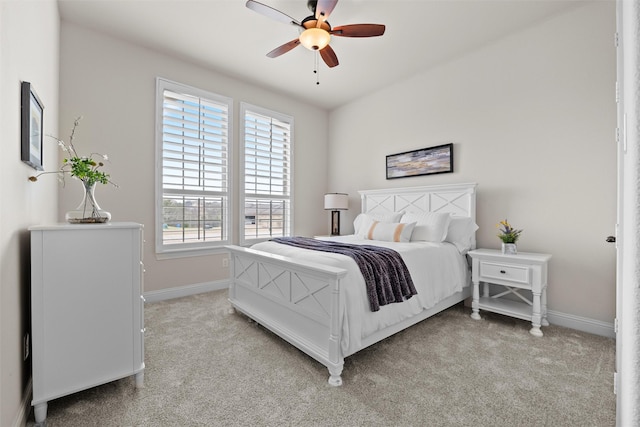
385	273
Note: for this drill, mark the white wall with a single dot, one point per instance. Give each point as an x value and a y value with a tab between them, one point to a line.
29	51
532	119
111	83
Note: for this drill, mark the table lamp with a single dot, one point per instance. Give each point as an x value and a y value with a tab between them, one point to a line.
335	202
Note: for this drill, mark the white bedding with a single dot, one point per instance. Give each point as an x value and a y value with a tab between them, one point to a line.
438	270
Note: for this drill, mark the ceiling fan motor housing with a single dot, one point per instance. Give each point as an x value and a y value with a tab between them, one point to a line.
311	21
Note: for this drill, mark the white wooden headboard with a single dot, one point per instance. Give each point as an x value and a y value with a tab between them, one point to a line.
457	199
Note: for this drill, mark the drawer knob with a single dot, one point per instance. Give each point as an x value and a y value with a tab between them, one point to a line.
503	272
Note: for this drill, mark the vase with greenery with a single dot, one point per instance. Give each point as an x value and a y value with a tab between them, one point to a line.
509	237
88	170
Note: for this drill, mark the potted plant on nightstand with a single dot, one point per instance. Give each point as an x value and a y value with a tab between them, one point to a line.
509	237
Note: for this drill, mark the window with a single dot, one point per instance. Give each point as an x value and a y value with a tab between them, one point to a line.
266	198
193	189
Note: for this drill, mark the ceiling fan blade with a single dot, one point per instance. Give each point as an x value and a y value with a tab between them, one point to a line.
272	13
359	30
329	56
324	9
283	49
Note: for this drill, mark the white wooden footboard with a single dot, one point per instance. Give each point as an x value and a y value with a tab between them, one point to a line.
299	301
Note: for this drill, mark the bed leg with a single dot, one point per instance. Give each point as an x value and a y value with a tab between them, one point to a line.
335	379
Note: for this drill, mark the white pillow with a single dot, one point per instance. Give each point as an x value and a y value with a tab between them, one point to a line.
363	221
430	226
390	231
460	233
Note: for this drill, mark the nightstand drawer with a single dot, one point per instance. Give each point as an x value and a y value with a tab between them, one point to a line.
511	273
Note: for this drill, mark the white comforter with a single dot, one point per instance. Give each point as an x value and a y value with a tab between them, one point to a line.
438	270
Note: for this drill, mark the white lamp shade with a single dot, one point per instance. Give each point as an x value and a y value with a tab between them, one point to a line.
336	201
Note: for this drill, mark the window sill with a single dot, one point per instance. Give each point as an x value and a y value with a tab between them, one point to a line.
190	253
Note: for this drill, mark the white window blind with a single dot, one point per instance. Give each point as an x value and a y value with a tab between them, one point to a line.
194	174
267	165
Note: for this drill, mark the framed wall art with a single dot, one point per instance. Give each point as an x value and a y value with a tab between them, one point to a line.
31	129
425	161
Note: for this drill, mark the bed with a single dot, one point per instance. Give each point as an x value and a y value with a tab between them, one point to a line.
315	300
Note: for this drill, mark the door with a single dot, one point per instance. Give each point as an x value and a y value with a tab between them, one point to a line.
628	227
618	238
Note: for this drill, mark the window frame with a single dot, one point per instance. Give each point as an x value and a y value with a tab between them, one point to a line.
176	250
244	108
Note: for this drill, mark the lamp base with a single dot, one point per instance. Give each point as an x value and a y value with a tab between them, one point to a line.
335	223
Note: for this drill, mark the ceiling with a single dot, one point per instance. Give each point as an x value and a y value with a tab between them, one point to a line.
227	37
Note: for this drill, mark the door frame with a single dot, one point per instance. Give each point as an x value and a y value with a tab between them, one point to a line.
627	377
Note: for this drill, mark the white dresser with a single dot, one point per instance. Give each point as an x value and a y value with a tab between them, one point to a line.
87	309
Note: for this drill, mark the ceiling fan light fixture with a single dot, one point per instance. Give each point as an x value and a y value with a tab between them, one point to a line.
315	38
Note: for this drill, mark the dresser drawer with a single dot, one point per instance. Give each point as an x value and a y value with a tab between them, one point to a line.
512	273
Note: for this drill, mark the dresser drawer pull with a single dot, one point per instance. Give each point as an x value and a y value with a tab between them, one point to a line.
503	272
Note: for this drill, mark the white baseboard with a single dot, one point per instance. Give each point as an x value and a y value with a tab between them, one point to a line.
183	291
579	323
23	415
583	324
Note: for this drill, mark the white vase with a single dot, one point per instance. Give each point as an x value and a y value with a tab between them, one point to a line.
509	248
88	211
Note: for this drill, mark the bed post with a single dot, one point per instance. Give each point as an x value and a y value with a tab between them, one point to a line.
335	354
232	282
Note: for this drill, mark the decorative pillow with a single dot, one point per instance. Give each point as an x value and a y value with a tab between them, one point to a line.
430	226
363	221
460	233
390	231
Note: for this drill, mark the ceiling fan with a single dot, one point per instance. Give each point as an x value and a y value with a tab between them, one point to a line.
316	32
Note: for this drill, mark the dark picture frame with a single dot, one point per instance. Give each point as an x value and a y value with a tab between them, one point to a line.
425	161
31	127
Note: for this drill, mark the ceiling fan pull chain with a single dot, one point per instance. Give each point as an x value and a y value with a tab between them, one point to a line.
316	68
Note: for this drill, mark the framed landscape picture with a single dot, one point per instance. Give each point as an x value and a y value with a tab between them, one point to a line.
31	127
425	161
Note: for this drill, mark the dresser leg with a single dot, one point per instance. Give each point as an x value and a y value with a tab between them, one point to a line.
475	303
40	412
536	316
543	302
139	377
536	331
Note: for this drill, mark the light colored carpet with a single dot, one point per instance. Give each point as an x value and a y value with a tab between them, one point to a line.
207	367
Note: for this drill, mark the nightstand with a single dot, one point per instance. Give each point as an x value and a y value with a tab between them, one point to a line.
512	273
